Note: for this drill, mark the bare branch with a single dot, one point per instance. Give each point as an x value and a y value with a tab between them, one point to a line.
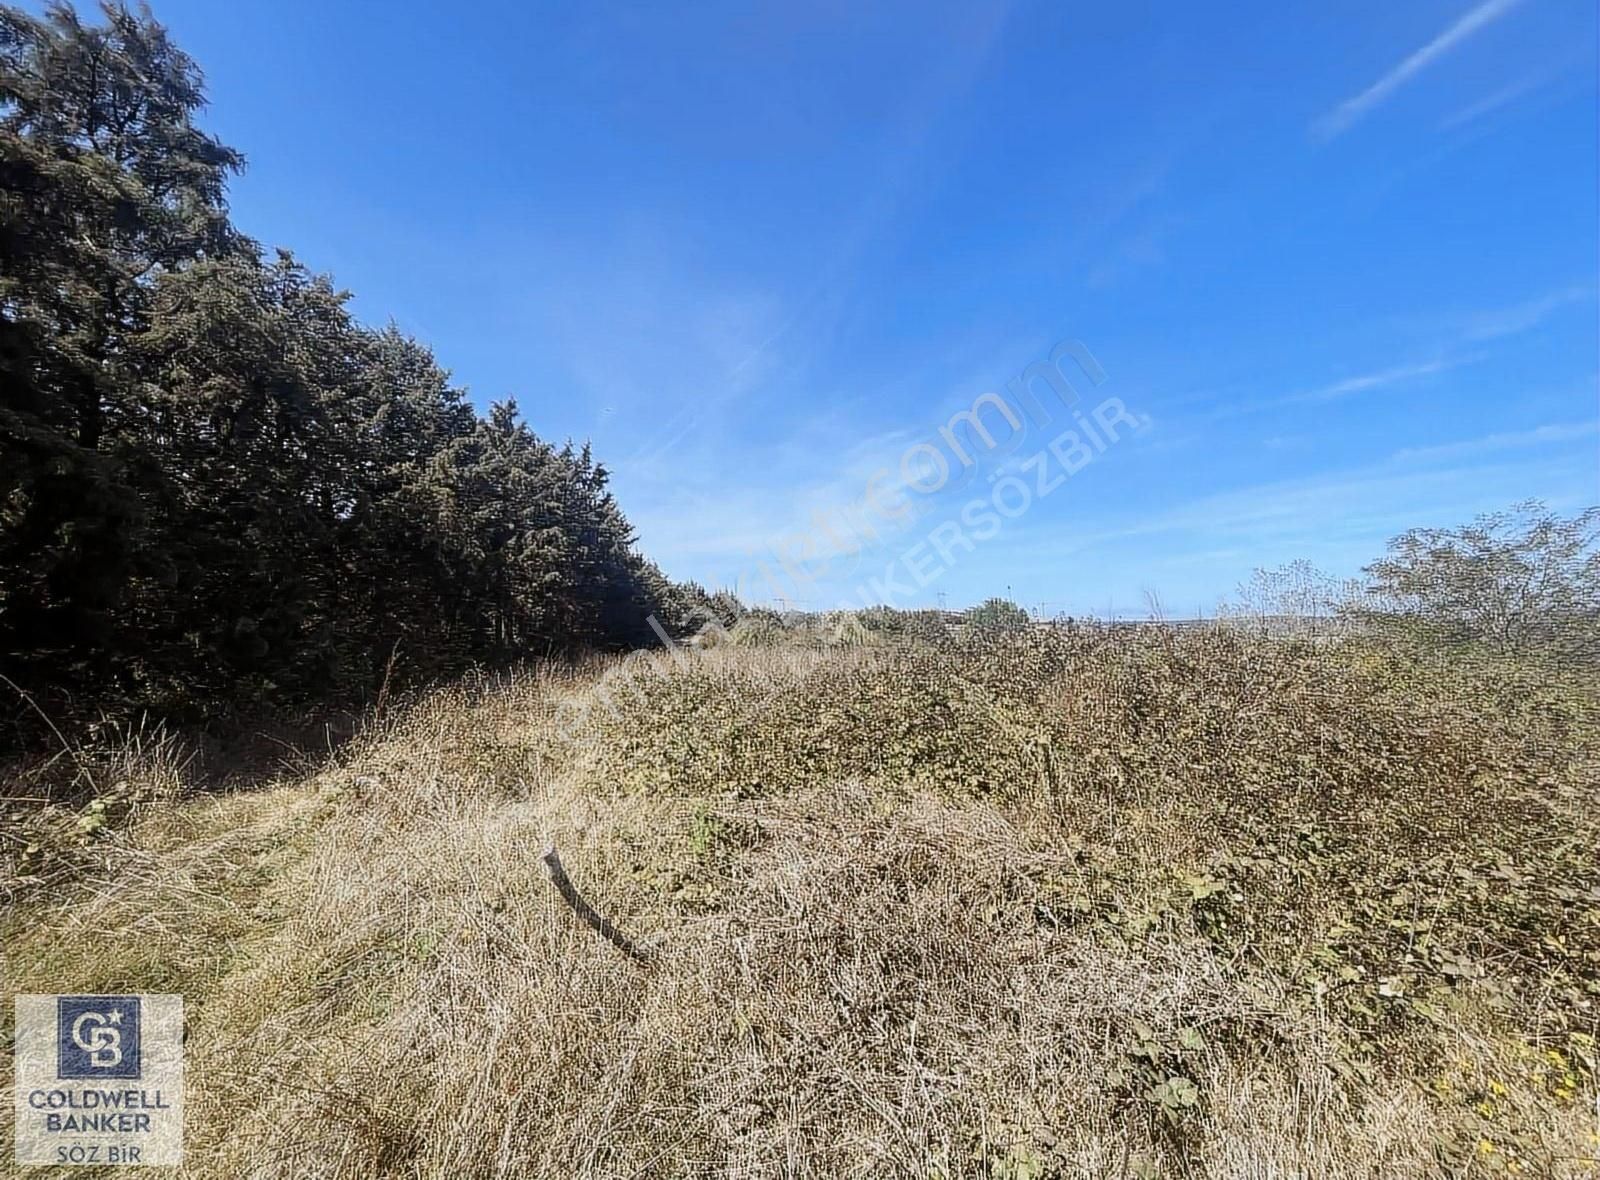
586	912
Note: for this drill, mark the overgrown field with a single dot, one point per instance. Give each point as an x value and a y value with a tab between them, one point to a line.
1091	903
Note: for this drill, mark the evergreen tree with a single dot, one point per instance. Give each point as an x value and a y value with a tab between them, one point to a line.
217	490
104	181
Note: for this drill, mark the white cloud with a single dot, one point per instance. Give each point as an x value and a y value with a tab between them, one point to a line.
1508	321
1478	328
1369	381
1362	506
1554	432
1349	112
823	499
1489	103
1345	386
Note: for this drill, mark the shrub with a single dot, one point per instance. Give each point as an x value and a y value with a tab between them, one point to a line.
997	615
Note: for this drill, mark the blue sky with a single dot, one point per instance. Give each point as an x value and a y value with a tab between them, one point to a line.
1338	260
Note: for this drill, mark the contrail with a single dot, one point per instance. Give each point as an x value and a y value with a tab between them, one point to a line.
1347	113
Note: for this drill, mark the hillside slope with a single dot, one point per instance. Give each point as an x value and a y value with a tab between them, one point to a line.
1131	904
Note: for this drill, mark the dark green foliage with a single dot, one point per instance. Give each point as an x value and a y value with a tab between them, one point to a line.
997	614
925	626
216	489
694	607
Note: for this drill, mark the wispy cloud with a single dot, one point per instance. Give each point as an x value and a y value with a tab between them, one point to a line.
1478	329
1346	386
1508	321
1366	382
1145	248
820	502
1354	509
1352	110
1560	72
1490	103
945	84
1508	440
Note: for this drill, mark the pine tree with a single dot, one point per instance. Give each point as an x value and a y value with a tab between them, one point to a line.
106	181
217	490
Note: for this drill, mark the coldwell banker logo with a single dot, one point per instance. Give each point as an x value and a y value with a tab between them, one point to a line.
99	1079
97	1036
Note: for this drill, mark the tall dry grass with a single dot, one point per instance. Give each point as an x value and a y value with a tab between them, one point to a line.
1101	904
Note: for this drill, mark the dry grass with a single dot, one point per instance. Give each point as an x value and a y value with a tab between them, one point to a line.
920	913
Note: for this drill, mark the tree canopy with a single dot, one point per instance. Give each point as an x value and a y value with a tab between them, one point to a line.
998	614
1519	580
217	489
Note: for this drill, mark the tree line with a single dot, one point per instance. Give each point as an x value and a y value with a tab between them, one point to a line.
1522	582
218	490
